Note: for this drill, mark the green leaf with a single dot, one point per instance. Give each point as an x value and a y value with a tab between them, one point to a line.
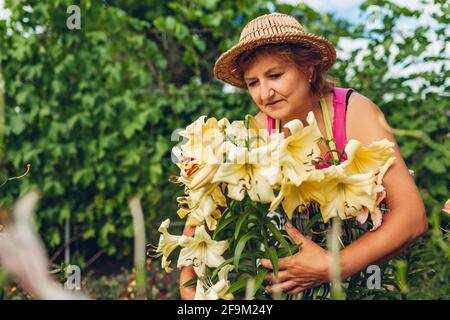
312	221
279	236
240	247
272	252
129	130
435	165
254	255
221	225
17	124
239	223
238	285
190	283
259	280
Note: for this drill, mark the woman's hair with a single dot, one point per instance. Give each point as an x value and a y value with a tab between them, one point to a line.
303	55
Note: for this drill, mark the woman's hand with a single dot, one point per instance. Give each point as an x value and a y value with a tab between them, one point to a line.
306	269
187	273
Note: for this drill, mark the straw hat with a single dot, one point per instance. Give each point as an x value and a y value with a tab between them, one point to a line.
270	29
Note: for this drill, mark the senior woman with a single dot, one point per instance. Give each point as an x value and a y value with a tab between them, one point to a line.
283	68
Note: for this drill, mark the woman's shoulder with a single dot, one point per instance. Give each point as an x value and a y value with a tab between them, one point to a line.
364	120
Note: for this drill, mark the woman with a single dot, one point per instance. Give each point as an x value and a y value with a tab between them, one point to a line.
284	70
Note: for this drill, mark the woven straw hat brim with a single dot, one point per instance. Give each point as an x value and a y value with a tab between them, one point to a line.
226	68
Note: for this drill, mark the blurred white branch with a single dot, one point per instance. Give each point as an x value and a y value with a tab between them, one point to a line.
23	255
139	245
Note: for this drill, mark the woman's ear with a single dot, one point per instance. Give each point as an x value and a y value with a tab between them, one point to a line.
310	73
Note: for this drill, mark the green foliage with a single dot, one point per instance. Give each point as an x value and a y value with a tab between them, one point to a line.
251	236
93	110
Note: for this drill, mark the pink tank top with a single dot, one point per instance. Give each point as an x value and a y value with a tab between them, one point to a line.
340	102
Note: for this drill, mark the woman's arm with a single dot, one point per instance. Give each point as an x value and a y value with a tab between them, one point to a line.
187	273
405	220
402	224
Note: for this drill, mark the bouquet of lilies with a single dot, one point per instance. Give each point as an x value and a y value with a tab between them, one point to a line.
239	179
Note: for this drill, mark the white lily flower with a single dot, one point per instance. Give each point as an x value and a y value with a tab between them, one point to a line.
209	291
237	133
375	215
196	173
165	264
167	243
345	195
205	212
201	250
202	206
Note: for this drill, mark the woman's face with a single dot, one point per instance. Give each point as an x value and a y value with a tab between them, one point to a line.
278	88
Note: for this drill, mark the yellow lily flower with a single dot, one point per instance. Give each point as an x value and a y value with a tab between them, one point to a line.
291	196
361	159
201	251
299	149
203	176
384	169
206	212
202	211
211	221
201	135
252	170
380	194
195	174
212	189
258	136
239	134
198	162
167	243
345	195
202	205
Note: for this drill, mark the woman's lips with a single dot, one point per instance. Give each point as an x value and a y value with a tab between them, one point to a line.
273	103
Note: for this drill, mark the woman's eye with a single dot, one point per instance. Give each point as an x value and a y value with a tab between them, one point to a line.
272	76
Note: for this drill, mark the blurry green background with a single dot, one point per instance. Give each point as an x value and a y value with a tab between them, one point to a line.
93	111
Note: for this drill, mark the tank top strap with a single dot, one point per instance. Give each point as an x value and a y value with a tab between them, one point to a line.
339	107
270	124
273	125
340	101
328	125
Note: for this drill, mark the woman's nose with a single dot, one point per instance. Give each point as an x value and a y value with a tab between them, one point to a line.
266	93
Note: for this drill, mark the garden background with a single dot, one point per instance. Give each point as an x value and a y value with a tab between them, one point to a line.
93	111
